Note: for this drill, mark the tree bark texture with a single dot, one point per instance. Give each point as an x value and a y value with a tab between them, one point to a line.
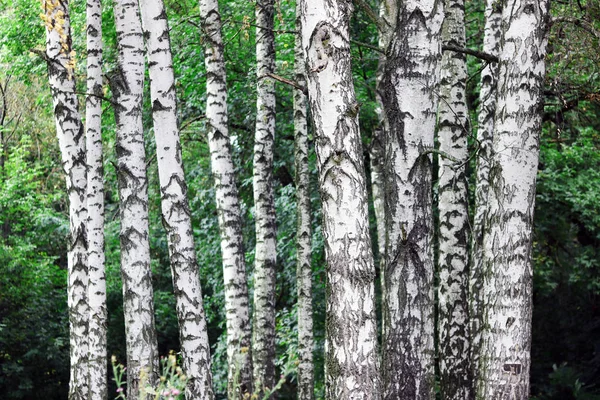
176	216
453	262
409	92
505	358
230	221
351	361
306	380
263	326
95	205
71	139
485	133
138	304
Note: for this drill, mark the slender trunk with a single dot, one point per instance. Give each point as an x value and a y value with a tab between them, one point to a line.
95	205
485	133
351	362
306	379
409	89
71	140
388	10
505	357
176	216
263	334
453	129
230	221
138	303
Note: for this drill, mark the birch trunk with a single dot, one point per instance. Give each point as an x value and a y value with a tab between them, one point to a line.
453	129
263	334
193	334
71	139
95	204
306	380
351	365
505	357
485	133
138	303
228	207
409	89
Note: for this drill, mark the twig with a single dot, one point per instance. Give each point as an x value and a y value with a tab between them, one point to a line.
289	82
368	46
479	54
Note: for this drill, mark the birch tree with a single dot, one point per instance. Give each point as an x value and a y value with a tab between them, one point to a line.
239	374
306	380
60	59
263	326
453	129
505	358
409	90
351	360
176	216
127	84
95	204
485	133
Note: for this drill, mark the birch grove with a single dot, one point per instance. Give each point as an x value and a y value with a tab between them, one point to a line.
409	86
95	205
263	326
176	215
351	333
71	139
127	84
239	356
453	128
505	359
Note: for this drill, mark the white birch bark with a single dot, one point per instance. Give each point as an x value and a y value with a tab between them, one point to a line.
263	319
485	133
409	90
95	204
306	380
228	207
453	262
351	362
388	10
505	358
176	216
71	139
138	303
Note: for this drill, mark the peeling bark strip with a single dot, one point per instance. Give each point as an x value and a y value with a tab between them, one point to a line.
409	90
505	357
95	204
453	128
193	334
138	304
230	222
71	140
306	379
263	326
351	365
485	133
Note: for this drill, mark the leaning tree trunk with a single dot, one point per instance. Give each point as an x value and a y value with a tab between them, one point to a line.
71	139
230	219
409	92
485	133
263	326
505	357
176	216
127	85
306	379
453	261
351	362
95	205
